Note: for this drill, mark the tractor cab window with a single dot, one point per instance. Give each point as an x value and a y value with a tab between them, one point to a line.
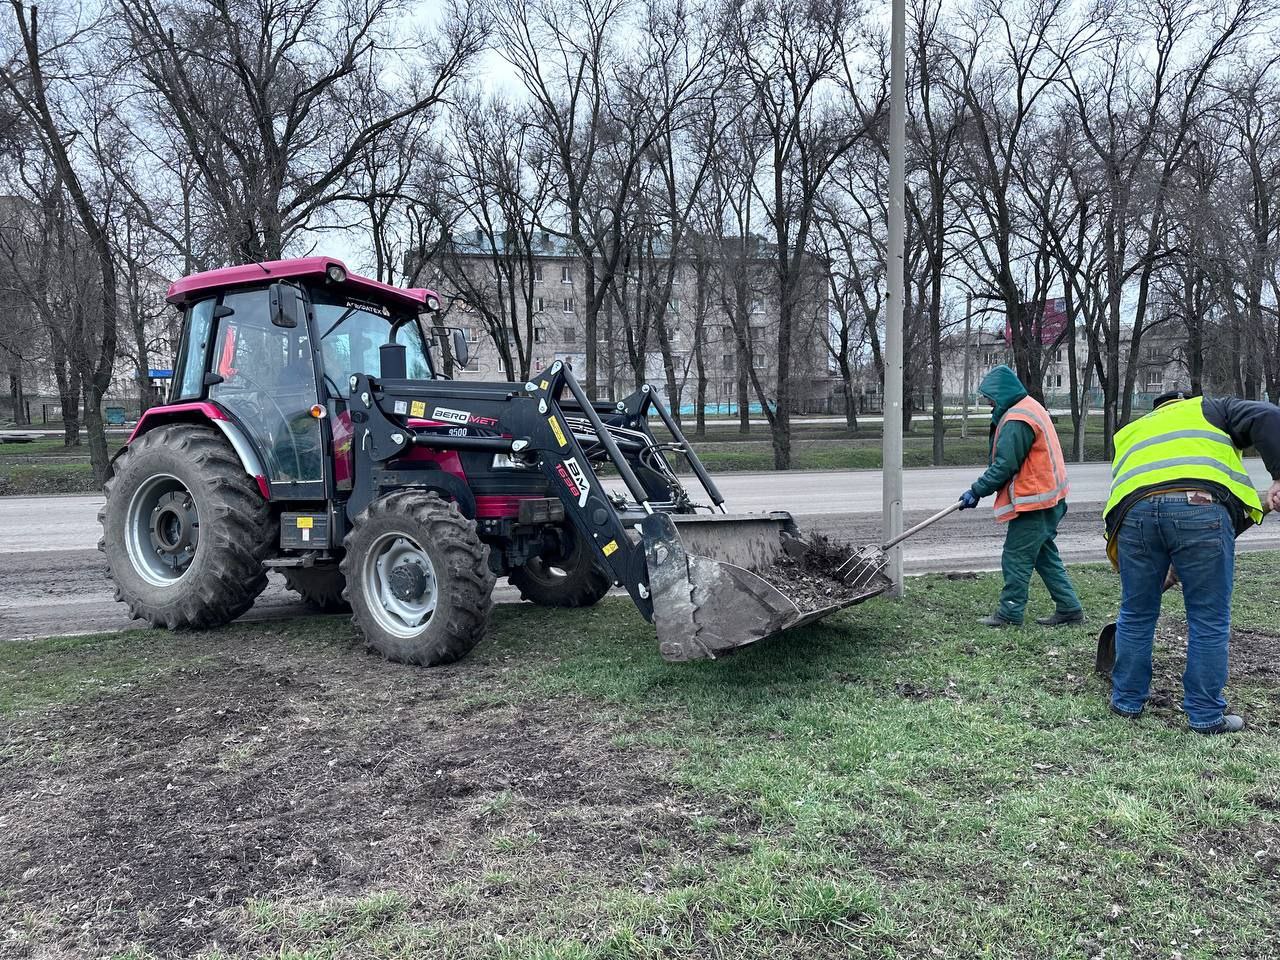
268	382
351	331
188	381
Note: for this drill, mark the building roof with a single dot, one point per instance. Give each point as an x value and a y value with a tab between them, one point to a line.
191	287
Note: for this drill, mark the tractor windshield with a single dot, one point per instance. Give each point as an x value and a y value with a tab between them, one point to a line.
351	331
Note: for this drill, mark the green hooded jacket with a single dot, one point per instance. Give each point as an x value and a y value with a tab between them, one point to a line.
1004	389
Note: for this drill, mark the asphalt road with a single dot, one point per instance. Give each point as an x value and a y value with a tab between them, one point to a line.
52	579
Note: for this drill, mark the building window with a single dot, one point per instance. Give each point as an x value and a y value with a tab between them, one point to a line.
539	334
542	304
757	306
674	305
570	334
730	362
568	304
1155	380
757	359
1057	356
1057	380
990	359
537	273
566	274
757	332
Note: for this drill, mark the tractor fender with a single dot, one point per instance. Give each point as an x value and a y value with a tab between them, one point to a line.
449	487
204	412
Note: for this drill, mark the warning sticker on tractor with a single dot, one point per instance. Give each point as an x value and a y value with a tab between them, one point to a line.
447	415
610	548
304	523
401	407
418	409
556	429
544	384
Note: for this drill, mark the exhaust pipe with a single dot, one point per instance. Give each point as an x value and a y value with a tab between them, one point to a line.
709	580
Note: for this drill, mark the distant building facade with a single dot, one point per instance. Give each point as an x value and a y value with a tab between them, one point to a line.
627	339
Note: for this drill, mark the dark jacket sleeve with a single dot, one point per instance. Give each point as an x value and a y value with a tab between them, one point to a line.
1249	423
1016	440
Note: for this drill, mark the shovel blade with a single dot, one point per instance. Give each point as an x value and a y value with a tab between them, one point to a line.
1105	658
708	577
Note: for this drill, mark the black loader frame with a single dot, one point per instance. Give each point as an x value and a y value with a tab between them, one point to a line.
690	568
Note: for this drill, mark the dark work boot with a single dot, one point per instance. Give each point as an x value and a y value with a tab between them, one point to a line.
1061	619
1230	723
997	621
1123	713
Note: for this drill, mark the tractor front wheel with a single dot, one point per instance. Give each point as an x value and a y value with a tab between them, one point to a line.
418	579
184	529
574	580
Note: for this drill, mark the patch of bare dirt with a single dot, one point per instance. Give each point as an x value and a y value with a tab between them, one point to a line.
1253	684
152	817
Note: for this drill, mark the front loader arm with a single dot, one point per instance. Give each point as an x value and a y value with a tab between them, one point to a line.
618	547
540	434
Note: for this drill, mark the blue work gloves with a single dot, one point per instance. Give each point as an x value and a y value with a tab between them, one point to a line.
968	500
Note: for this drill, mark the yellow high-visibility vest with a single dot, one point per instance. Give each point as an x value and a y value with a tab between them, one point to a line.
1177	442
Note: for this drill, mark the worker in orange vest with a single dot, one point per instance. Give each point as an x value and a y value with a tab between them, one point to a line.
1028	474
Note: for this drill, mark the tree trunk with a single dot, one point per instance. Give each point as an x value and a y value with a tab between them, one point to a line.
850	398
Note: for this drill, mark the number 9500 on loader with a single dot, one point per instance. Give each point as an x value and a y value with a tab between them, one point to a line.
310	431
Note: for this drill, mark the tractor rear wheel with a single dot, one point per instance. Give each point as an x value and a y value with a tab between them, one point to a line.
319	586
575	580
418	579
184	529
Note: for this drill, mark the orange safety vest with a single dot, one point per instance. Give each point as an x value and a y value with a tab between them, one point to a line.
1041	481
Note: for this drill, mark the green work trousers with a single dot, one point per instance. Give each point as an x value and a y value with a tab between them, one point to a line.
1029	546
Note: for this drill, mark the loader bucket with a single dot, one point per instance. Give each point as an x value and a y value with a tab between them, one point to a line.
709	578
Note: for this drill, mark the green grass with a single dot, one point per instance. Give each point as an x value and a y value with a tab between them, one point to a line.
842	452
911	785
47	466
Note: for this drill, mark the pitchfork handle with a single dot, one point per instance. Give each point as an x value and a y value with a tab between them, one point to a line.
922	524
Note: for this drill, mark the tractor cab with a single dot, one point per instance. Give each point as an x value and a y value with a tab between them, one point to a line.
277	355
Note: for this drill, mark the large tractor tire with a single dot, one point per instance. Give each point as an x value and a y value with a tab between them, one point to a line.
418	579
574	581
319	586
184	530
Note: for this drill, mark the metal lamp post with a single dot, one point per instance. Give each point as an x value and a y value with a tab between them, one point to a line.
891	517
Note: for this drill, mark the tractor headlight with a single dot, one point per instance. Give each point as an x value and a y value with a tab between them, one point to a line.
336	273
433	303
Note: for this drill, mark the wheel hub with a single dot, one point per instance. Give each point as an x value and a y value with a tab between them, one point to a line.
162	530
401	580
175	529
408	581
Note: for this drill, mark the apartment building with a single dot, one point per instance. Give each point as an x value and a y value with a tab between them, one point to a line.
627	336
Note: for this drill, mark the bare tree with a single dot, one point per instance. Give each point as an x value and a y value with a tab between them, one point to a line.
38	78
500	184
1136	113
790	55
261	99
602	106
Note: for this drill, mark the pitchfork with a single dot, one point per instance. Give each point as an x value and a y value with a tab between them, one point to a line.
870	562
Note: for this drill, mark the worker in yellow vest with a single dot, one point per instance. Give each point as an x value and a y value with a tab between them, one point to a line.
1028	474
1180	496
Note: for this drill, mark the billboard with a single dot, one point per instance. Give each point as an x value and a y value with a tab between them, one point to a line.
1052	317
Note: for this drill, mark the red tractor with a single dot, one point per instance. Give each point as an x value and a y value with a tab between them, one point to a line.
310	431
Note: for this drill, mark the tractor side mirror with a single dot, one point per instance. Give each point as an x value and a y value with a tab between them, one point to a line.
461	350
286	305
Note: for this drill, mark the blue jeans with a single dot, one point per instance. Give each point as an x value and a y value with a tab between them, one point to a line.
1199	541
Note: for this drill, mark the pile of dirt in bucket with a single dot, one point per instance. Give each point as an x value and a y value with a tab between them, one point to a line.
805	572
